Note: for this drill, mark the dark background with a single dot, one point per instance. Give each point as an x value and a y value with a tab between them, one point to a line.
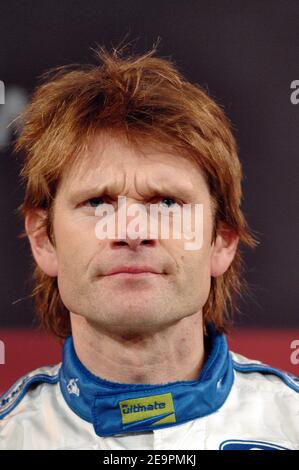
245	53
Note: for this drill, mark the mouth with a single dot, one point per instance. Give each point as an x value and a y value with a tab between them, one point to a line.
133	272
126	275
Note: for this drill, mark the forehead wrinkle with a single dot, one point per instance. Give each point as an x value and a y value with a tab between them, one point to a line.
158	183
162	177
112	183
101	182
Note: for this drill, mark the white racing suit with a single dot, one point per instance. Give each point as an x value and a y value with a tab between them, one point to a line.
235	404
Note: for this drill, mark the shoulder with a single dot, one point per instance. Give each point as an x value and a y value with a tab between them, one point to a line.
22	391
264	376
267	402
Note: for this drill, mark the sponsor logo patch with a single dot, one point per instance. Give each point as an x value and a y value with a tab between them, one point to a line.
152	410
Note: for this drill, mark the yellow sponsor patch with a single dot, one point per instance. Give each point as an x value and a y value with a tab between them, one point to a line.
143	408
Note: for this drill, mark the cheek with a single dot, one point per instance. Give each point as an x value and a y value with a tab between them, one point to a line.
198	261
75	243
199	275
198	265
190	266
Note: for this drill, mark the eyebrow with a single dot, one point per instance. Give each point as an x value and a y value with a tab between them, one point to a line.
174	189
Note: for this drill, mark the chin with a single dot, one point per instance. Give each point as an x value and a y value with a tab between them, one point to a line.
131	316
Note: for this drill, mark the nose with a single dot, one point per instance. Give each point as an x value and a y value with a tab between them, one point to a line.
133	232
133	243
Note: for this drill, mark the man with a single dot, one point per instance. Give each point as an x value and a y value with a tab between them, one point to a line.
145	362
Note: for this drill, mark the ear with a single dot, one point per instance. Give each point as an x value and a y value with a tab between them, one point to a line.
223	251
43	251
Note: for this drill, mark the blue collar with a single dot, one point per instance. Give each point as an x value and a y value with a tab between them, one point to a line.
116	408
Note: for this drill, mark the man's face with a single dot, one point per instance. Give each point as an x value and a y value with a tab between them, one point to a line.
180	285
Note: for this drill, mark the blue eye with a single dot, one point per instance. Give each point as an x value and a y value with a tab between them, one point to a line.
169	201
95	201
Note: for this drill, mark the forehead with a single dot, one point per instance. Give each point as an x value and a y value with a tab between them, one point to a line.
112	159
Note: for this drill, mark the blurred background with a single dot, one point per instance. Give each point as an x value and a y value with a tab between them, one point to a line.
245	54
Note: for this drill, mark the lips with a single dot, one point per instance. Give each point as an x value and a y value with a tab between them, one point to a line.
134	269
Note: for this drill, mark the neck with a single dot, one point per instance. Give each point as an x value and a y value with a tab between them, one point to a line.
173	353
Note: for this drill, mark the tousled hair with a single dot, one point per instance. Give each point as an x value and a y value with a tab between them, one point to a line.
146	97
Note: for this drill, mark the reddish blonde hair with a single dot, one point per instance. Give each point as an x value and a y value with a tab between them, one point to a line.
148	98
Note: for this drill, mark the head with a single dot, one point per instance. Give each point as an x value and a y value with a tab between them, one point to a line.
130	126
